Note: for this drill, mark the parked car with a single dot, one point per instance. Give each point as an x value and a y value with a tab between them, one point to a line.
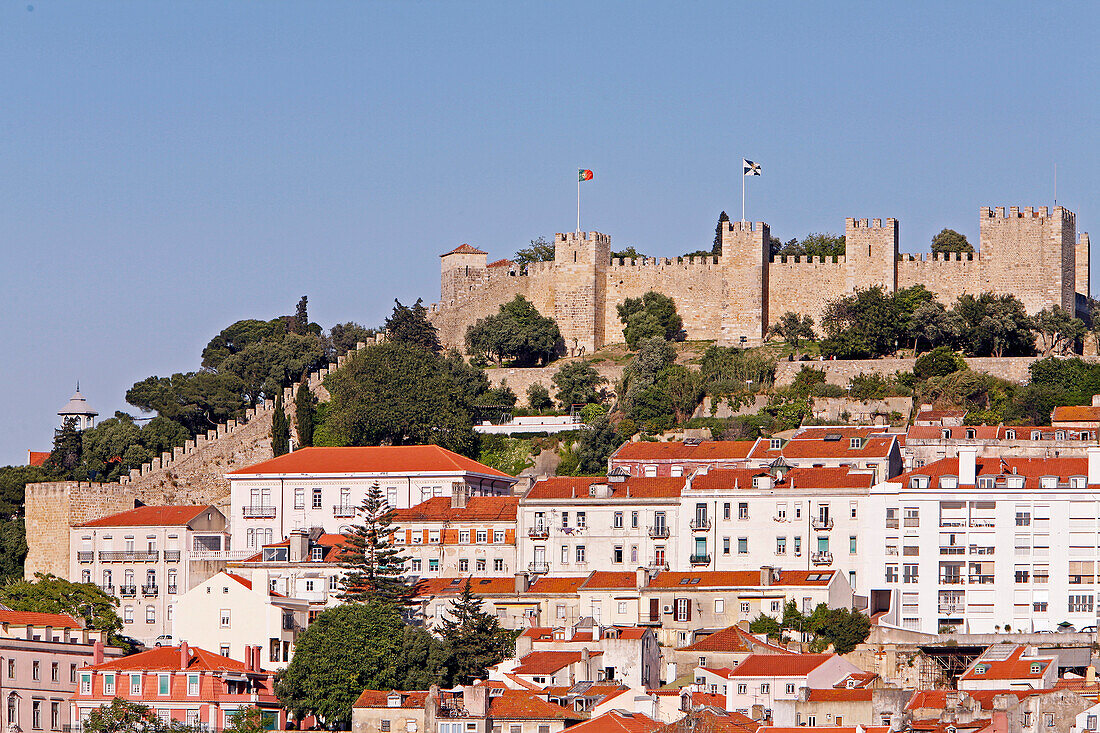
164	640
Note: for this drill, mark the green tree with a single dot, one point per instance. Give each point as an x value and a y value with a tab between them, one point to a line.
938	362
765	625
933	324
653	314
948	240
538	397
344	337
594	446
841	627
124	716
729	370
13	549
237	336
113	447
644	397
812	245
13	484
68	447
540	250
51	594
475	638
162	434
280	431
246	720
628	254
577	383
793	329
372	402
344	651
517	332
377	568
410	325
1058	330
994	325
305	406
792	617
684	388
197	400
299	324
722	219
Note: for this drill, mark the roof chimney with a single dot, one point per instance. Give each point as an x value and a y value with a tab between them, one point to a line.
458	496
765	576
475	699
641	578
1090	675
522	583
185	655
97	654
299	545
1094	465
968	465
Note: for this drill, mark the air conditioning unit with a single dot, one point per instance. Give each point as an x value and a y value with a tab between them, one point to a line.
666	609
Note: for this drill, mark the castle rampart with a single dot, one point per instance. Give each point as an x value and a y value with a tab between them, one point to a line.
1032	253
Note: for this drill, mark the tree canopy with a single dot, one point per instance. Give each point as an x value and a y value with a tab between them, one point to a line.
124	716
948	240
540	250
577	383
517	332
410	325
51	594
812	245
475	639
793	328
376	568
653	314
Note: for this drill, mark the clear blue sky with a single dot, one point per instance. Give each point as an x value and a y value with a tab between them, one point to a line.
169	168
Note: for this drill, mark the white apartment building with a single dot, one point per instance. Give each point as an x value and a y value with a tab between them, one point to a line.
305	565
789	518
763	680
857	448
147	558
324	487
570	526
979	543
458	536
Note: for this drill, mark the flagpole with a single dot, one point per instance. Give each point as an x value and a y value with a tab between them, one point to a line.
578	203
743	196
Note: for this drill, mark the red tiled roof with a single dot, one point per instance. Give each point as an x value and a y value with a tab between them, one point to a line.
817	432
723	672
981	432
37	457
830	728
151	516
477	509
1030	468
464	249
635	487
712	721
939	414
937	699
821	477
875	446
610	580
832	694
167	659
779	665
737	579
33	618
707	450
370	459
730	640
1075	413
708	698
1014	667
525	705
380	699
617	721
546	584
454	586
500	263
333	544
861	679
548	662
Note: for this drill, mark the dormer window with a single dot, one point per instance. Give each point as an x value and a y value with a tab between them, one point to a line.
981	669
1048	482
1059	434
1010	435
855	443
1036	435
945	434
949	482
1077	482
393	701
918	482
1015	482
775	443
970	434
986	482
1036	668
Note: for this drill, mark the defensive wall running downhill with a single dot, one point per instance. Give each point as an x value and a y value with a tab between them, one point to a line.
1035	254
193	473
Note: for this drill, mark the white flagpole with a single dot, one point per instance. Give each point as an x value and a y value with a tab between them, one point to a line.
743	177
578	202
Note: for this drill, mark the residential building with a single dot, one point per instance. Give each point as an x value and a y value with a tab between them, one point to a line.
1077	417
452	536
1010	667
573	525
926	444
763	680
722	649
618	721
976	543
678	458
324	487
184	684
485	708
545	668
395	711
503	597
40	654
631	655
305	565
233	614
865	449
147	558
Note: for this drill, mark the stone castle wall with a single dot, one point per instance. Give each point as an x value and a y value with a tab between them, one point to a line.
1034	254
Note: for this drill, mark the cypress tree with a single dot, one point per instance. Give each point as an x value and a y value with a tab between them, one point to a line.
280	431
303	414
377	568
717	248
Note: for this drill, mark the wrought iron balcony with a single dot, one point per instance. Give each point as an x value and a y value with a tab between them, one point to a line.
108	589
172	555
539	567
258	512
128	556
539	532
343	510
127	591
822	524
952	549
655	565
149	590
951	580
171	590
700	560
982	579
821	558
659	532
700	524
891	523
85	556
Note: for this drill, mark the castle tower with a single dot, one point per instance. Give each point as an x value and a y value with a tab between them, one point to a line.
1081	264
78	409
746	254
581	260
871	254
458	268
1031	254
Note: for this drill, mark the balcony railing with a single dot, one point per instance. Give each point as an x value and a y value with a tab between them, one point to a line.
172	555
108	589
171	590
952	549
258	512
981	579
539	532
912	521
822	524
981	550
778	518
951	608
128	556
700	524
951	580
891	523
982	522
821	558
127	591
149	590
343	510
204	555
657	565
539	567
700	559
952	522
85	556
659	532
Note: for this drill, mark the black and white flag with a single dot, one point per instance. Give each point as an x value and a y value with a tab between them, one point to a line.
751	169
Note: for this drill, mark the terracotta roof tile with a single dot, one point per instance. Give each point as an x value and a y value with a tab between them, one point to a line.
501	263
548	662
1013	667
779	665
464	249
937	699
453	586
380	699
618	721
825	477
369	460
33	618
610	580
732	639
738	579
1032	469
525	705
875	446
37	457
151	516
858	694
707	450
713	720
1075	413
167	659
635	487
477	509
546	584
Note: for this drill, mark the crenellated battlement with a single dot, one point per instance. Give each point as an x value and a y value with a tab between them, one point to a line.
1028	212
939	257
745	226
578	237
853	223
807	260
704	262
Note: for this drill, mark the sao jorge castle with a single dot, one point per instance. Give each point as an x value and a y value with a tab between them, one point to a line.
1032	253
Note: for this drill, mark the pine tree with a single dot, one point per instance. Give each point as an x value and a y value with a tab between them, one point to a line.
475	639
377	568
411	325
303	414
68	446
300	322
280	431
722	219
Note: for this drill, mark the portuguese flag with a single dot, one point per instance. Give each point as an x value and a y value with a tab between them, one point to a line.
584	175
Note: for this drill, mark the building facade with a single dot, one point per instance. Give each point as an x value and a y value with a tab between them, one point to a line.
452	536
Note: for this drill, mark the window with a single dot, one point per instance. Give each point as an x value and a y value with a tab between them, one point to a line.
433	565
55	715
192	719
617	522
498	537
742	688
853	508
224	650
745	608
225	620
299	498
634	520
463	565
909	573
742	510
781	511
891	573
742	545
797	546
316	498
726	510
581	521
683	609
1048	720
776	606
128	615
617	554
565	554
415	565
482	536
498	565
85	684
479	565
580	554
163	684
775	443
11	669
765	688
385	726
36	670
150	614
72	673
192	685
565	519
790	689
852	545
780	545
725	545
464	537
719	605
36	714
634	554
135	684
1080	603
622	607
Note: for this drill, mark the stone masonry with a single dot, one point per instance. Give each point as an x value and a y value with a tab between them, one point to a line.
1034	254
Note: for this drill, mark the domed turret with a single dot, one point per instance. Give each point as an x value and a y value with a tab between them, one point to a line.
79	409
